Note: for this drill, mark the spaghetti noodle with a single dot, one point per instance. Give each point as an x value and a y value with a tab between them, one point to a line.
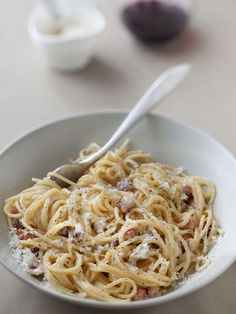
129	229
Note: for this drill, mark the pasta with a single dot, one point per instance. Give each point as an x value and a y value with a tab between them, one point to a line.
128	230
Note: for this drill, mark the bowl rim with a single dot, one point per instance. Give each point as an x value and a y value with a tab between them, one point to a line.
113	305
39	37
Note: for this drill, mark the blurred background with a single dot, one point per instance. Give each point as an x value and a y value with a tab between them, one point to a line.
121	68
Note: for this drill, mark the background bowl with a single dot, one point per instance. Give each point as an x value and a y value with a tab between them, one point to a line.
47	147
73	53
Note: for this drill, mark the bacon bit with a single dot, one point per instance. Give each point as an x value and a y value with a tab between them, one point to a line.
77	236
125	186
191	225
33	266
14	210
141	294
17	224
130	234
35	250
189	193
208	231
34	271
64	232
153	291
115	242
24	234
154	246
40	277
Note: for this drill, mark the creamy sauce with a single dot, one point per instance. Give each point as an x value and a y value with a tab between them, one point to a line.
67	29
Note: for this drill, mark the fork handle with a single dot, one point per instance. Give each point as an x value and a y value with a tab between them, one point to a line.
160	88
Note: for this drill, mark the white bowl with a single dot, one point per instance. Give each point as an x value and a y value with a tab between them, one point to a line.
68	53
53	144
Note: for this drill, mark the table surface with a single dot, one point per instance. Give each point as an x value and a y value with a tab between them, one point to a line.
31	94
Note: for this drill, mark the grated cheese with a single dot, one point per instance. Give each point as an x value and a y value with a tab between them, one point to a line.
14	240
140	184
70	203
26	258
115	196
95	200
100	225
149	237
101	249
164	185
87	215
173	190
188	181
183	196
127	202
98	186
141	252
164	263
179	170
58	242
79	229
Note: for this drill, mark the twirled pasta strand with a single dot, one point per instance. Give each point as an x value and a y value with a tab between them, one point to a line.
128	225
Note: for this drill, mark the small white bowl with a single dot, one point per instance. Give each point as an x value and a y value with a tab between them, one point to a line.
33	155
68	53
